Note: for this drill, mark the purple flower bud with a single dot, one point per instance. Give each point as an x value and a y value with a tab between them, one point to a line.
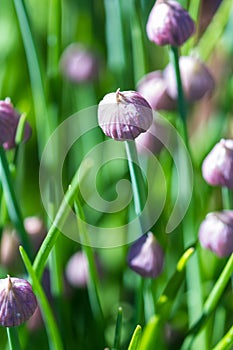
153	88
9	120
124	115
146	256
17	301
169	24
217	168
79	64
77	270
216	232
197	80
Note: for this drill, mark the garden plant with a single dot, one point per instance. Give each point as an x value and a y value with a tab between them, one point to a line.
116	175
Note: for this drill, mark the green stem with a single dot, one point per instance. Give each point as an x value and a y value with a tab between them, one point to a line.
139	195
54	37
180	99
137	179
194	300
13	338
227	198
53	333
53	233
54	263
11	201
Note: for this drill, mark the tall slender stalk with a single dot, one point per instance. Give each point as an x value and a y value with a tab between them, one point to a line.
138	182
180	99
194	296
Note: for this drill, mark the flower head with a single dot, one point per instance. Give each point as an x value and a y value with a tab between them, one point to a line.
217	168
17	301
169	24
146	256
123	115
9	119
216	232
79	64
196	78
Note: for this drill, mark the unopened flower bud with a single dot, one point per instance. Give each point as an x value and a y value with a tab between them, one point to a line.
216	233
217	168
9	119
197	81
124	115
146	256
17	301
169	24
153	88
79	64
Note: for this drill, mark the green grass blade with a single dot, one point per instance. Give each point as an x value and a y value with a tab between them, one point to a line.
226	342
37	86
136	339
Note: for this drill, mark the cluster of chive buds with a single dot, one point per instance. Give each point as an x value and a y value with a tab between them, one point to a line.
216	231
127	115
